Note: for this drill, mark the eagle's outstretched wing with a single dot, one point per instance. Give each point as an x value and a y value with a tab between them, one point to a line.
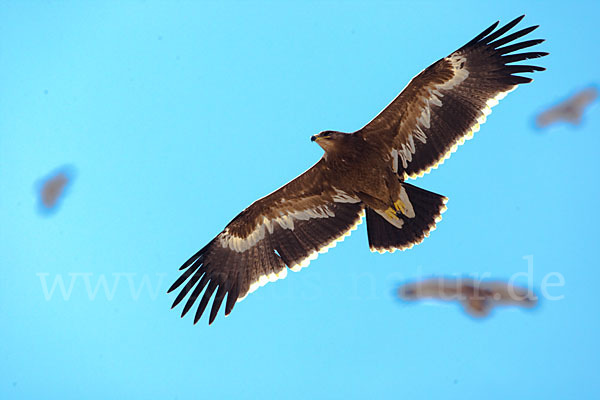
289	228
446	103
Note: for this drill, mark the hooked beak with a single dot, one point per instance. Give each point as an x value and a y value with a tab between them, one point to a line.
313	138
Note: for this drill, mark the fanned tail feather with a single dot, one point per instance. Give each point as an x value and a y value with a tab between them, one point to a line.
428	207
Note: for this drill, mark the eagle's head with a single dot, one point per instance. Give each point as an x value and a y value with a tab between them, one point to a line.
328	140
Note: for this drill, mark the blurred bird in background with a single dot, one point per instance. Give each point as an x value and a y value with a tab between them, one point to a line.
570	110
52	188
478	298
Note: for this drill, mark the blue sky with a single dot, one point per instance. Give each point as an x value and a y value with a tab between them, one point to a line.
177	115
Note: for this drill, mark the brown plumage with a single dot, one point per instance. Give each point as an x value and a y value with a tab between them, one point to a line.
361	171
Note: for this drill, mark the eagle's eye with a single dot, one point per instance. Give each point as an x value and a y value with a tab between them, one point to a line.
326	134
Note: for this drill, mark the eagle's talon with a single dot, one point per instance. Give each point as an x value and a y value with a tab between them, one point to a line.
392	214
399	205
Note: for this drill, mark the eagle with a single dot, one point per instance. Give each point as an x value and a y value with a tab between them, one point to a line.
362	173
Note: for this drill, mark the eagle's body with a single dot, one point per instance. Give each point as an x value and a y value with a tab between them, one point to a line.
360	168
362	173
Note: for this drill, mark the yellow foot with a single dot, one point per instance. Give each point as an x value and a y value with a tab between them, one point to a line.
400	206
391	213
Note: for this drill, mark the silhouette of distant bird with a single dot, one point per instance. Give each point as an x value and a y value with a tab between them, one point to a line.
570	110
477	298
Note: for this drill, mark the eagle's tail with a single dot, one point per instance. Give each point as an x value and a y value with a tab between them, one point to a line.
428	208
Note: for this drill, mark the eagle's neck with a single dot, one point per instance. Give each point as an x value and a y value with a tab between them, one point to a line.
347	150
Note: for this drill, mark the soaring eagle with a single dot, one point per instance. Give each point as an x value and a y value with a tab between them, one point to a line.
362	172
